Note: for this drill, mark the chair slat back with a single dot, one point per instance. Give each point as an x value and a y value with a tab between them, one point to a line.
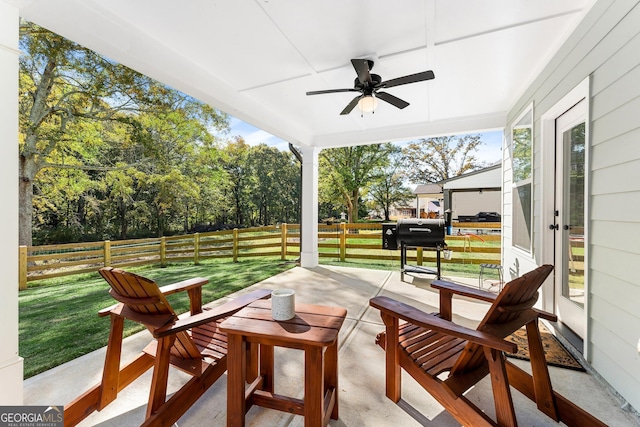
508	313
143	296
138	293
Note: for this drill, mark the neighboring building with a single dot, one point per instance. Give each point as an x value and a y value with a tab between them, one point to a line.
465	195
473	192
428	200
397	212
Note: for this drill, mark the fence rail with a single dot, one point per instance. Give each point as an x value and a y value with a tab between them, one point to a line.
340	241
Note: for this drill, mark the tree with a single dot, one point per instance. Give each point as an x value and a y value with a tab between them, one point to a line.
389	189
235	163
440	158
61	84
274	192
345	171
78	110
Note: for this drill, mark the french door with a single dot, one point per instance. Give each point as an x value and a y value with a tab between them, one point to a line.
570	216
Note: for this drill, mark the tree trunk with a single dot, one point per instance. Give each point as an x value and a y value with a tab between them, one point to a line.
25	211
27	171
353	215
27	161
122	214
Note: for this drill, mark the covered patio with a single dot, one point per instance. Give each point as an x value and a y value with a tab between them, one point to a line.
361	365
493	61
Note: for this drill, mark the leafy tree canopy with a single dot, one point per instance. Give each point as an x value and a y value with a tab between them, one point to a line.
345	171
107	152
440	158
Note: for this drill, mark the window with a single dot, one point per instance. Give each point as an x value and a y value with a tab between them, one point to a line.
522	161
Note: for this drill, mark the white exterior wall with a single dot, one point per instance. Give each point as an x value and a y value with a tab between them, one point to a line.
10	362
606	47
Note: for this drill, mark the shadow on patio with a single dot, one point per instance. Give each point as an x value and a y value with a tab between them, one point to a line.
361	365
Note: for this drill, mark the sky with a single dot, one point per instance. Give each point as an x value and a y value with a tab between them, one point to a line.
489	152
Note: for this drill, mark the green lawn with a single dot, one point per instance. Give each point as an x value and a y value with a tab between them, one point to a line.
59	321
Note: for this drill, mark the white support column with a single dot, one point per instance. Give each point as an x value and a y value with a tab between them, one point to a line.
309	220
10	363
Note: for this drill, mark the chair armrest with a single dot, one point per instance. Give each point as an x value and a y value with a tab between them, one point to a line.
216	313
547	316
107	310
455	288
194	289
411	314
447	289
184	285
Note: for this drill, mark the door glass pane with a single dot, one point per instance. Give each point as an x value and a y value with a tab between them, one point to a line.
573	218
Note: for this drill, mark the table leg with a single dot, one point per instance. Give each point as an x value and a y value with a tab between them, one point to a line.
331	375
236	378
266	367
252	363
313	386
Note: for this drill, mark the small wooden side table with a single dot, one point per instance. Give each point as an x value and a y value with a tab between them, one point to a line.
253	334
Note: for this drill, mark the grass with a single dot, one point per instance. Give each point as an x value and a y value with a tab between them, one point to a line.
59	321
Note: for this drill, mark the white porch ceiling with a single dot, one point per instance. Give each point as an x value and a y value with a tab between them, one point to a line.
255	59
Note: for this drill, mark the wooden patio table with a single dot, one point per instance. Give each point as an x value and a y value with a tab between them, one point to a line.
252	336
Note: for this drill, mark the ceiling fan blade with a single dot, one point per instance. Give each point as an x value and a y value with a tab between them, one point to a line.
393	100
362	68
351	105
320	92
411	78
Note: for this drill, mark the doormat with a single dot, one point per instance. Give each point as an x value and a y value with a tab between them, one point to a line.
554	351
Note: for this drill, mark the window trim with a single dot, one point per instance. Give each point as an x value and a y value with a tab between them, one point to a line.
524	120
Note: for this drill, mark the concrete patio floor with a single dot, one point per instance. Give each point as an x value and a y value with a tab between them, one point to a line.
361	366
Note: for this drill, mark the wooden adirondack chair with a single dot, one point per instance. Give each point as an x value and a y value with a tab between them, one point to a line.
427	345
191	343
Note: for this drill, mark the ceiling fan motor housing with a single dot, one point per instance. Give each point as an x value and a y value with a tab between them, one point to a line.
368	87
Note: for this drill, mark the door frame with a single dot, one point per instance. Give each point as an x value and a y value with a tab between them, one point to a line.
571	314
547	194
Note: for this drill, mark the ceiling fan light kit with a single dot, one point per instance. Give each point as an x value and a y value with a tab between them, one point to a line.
368	85
368	103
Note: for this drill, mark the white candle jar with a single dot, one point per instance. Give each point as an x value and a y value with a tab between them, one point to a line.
283	304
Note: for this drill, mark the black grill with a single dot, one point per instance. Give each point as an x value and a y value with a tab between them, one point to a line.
426	233
415	232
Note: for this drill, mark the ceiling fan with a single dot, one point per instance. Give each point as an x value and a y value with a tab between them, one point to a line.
368	85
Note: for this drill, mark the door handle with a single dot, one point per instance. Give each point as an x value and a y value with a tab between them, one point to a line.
554	227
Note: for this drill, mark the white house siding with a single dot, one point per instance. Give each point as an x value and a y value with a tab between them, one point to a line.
605	46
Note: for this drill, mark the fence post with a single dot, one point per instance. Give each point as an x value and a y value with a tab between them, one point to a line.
419	256
283	243
107	253
22	268
163	251
343	241
196	248
235	245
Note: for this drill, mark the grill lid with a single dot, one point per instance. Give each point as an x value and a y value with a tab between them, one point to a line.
421	232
